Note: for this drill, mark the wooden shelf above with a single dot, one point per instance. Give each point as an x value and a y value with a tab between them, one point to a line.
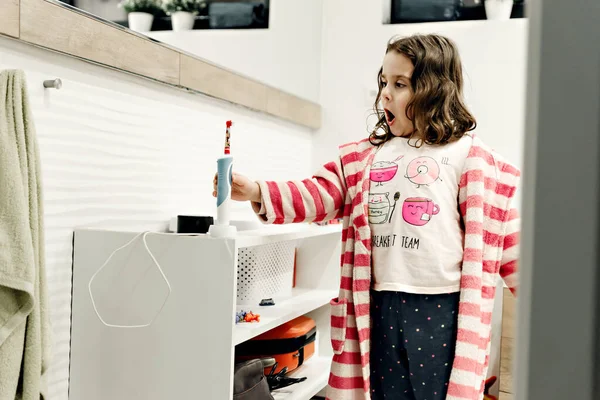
58	27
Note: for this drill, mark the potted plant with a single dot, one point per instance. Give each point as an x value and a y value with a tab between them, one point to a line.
140	13
183	13
498	9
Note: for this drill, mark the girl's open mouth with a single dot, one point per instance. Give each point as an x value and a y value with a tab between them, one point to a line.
390	118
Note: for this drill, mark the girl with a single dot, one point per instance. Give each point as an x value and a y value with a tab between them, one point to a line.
427	229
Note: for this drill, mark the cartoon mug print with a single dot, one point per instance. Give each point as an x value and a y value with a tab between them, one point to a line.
418	211
384	171
423	171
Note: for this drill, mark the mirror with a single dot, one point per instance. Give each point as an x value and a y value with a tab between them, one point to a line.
148	16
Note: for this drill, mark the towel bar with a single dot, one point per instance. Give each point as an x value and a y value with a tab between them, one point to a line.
53	83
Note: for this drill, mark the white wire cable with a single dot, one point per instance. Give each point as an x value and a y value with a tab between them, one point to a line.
143	234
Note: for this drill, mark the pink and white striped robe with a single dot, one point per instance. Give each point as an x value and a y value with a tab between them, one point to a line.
341	189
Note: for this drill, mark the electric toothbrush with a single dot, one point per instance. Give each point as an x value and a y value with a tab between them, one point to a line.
222	227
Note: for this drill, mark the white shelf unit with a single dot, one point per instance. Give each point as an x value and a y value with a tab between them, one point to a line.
188	351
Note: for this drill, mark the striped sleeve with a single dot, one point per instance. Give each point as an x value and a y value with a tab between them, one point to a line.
320	198
510	253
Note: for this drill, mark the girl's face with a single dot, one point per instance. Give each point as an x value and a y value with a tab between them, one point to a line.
396	92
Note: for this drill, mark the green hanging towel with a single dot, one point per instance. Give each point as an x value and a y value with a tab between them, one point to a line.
24	327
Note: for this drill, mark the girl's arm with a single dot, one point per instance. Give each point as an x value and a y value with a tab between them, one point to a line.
510	254
311	200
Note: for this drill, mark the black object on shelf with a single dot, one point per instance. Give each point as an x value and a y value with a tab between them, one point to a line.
519	9
267	302
413	11
424	10
194	224
279	346
472	11
279	380
238	15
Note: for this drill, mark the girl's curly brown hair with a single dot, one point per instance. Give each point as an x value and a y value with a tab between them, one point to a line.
437	108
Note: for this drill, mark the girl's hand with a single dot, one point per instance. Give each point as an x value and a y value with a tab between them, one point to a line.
242	188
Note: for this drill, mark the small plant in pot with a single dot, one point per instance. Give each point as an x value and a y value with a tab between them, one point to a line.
183	13
140	13
498	9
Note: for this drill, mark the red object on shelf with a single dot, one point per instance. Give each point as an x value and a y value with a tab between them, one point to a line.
291	344
250	317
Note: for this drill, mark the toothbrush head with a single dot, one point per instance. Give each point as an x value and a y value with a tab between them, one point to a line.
227	136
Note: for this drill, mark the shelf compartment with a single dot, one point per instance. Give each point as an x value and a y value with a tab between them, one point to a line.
302	302
316	370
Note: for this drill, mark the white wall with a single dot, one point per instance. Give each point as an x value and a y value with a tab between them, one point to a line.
354	42
122	152
286	56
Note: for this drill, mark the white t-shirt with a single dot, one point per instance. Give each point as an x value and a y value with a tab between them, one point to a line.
417	234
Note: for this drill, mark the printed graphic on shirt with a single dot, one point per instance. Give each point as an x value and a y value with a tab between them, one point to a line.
379	207
396	198
383	240
423	171
384	171
393	240
445	161
380	210
418	211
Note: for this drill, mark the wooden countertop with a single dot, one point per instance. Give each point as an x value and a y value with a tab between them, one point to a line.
57	27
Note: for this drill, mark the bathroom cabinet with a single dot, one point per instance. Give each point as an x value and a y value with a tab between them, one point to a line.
188	350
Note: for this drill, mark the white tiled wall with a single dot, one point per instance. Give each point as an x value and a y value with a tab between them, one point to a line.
126	153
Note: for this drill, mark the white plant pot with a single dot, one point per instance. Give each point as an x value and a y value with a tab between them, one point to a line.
182	20
140	21
498	10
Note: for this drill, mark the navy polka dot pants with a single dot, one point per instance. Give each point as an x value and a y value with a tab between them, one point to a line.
413	338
